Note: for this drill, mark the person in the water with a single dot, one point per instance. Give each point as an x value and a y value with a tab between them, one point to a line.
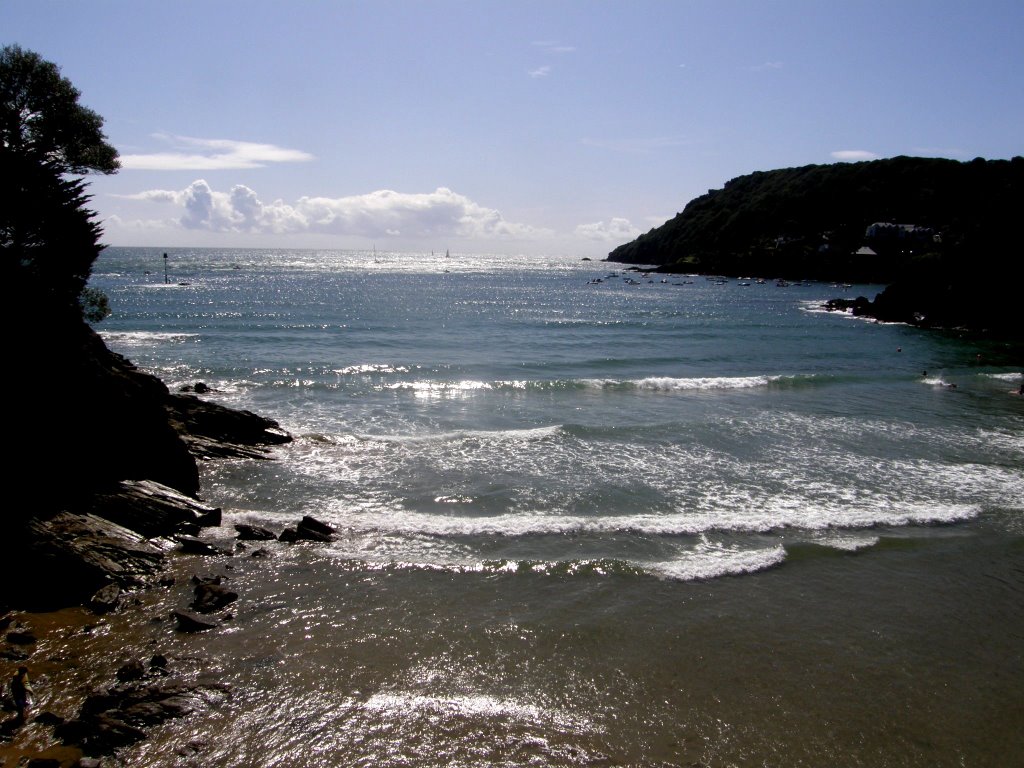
21	692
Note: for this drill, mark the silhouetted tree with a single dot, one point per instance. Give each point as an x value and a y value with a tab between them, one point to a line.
48	239
41	119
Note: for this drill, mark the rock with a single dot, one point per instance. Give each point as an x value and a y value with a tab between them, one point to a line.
308	529
211	519
190	622
64	757
212	597
102	733
262	552
88	762
159	661
48	718
21	637
214	431
312	524
308	534
133	670
106	599
118	716
71	556
253	533
193	546
152	509
208	578
99	421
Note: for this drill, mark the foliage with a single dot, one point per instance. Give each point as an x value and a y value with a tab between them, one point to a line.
95	305
40	117
808	222
48	238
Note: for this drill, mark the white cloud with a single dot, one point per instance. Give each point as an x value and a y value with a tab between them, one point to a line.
376	214
191	154
616	230
854	155
540	71
768	65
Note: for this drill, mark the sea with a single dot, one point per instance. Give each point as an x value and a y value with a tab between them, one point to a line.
586	516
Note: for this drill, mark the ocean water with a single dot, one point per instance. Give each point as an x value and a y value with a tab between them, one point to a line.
592	520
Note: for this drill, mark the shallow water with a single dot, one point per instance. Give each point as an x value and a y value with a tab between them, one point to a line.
592	523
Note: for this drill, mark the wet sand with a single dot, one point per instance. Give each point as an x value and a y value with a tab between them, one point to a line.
904	654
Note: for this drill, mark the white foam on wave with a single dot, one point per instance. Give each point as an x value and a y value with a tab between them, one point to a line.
146	338
503	435
848	541
817	307
427	388
713	562
1004	376
764	517
713	382
677	384
365	368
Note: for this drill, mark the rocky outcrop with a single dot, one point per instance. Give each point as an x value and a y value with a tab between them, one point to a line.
253	533
66	558
119	716
151	509
308	529
214	431
942	301
88	417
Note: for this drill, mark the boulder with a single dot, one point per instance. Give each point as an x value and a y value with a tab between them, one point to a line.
133	670
21	637
212	597
193	546
312	524
308	529
253	533
106	599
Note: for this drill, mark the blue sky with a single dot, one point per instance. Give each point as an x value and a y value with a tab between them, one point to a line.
559	126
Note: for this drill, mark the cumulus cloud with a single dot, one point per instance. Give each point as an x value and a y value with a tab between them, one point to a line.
375	214
854	155
540	71
191	154
616	230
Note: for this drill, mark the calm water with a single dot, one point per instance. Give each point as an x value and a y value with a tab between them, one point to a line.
670	522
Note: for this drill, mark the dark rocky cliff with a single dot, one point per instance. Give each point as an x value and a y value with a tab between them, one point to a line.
85	426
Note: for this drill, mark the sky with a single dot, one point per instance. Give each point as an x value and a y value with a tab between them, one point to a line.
559	126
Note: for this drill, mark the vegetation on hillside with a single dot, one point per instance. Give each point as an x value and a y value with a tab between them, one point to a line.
810	222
